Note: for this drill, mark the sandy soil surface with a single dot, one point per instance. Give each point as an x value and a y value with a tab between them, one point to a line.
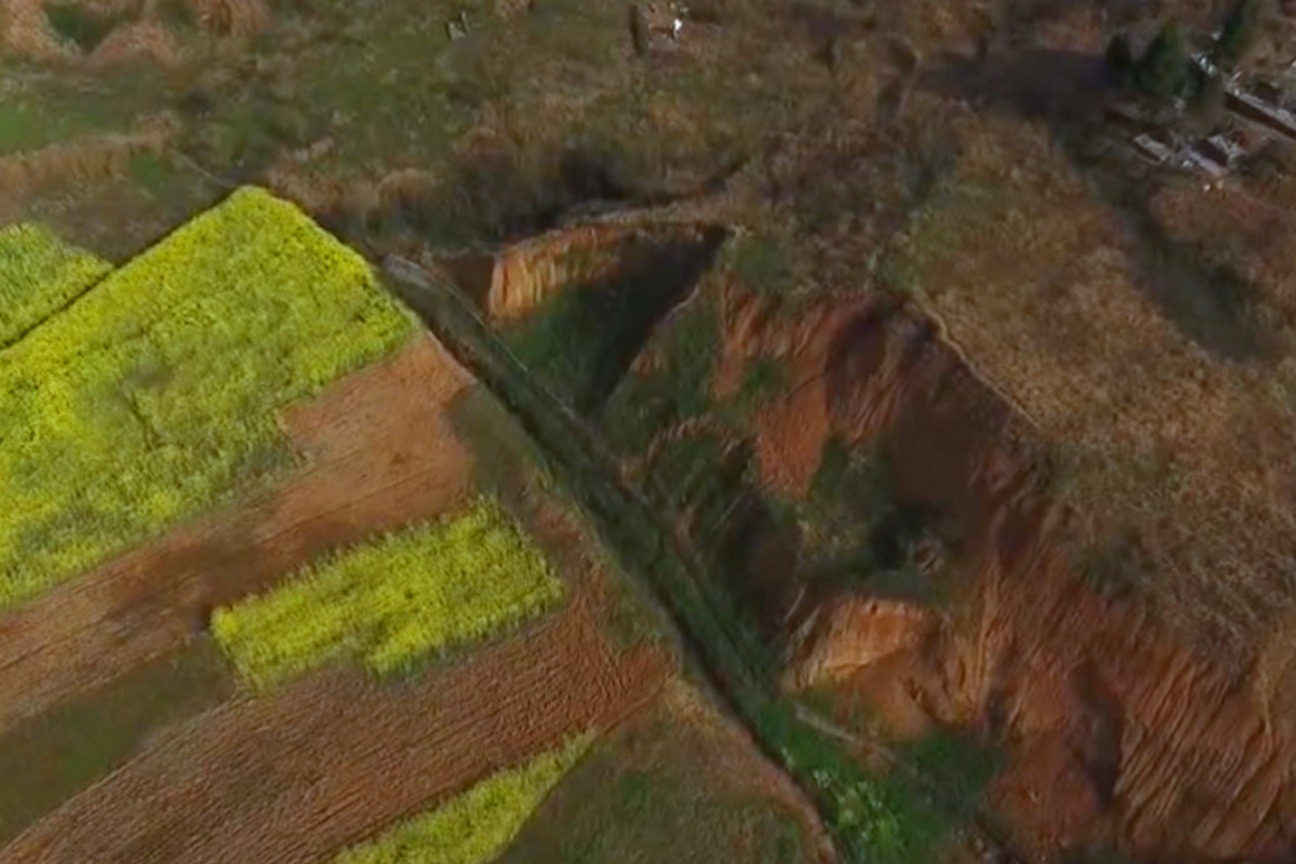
381	453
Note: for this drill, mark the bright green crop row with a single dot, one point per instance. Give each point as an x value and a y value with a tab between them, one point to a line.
389	603
478	825
158	393
39	274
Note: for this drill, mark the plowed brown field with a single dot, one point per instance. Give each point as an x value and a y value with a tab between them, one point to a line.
380	453
337	757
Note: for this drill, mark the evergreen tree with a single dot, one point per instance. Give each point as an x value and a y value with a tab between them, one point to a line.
1120	58
1163	71
1238	33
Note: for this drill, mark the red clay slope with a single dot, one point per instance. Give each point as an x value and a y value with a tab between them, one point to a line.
1114	726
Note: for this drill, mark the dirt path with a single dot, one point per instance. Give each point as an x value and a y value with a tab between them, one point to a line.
381	453
337	757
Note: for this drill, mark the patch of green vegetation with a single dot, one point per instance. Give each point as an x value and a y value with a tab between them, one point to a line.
959	767
176	14
764	378
873	819
1238	34
1109	566
149	399
39	274
389	603
762	264
678	388
651	793
582	339
80	24
942	215
867	822
474	827
384	76
856	533
48	759
506	461
153	173
684	465
38	109
1163	69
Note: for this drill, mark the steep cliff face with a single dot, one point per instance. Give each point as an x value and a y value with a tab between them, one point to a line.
517	280
1115	730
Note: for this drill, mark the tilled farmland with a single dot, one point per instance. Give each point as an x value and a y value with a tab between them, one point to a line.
380	452
332	759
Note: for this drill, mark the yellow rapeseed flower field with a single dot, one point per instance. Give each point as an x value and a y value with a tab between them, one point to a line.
157	394
475	827
39	274
390	602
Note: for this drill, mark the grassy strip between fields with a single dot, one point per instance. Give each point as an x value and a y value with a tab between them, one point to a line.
390	602
39	274
476	826
871	819
157	394
49	758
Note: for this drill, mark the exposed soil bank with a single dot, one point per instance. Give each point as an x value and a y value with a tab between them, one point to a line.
1113	728
381	452
513	283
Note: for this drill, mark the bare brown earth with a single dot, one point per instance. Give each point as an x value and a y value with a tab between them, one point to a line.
380	453
1115	727
336	758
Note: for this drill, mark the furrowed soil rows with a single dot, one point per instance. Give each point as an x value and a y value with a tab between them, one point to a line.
337	758
380	453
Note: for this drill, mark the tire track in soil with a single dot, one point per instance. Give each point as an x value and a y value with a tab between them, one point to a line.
335	758
380	451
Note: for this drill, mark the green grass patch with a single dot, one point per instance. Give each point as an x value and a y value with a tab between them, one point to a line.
157	395
391	602
47	759
875	819
476	826
652	792
868	822
762	264
82	26
763	379
679	388
153	173
39	274
855	531
400	51
960	767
